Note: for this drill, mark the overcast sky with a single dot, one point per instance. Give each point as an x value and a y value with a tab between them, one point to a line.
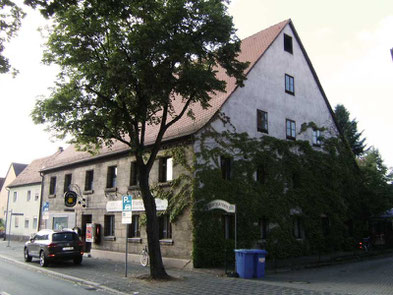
347	41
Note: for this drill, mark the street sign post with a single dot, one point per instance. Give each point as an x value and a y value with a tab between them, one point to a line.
126	219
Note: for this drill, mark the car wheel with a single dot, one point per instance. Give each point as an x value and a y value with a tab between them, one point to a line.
27	256
78	260
43	259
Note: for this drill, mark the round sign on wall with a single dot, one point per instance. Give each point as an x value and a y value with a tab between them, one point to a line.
70	198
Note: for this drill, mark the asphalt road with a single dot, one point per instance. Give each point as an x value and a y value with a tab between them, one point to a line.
18	280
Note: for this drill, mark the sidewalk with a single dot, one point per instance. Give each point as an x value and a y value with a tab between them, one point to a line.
110	276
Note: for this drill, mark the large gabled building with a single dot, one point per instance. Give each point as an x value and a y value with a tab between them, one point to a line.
282	91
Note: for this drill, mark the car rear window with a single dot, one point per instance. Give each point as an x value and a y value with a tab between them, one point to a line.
58	237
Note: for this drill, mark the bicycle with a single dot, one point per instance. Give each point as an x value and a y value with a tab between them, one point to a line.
144	259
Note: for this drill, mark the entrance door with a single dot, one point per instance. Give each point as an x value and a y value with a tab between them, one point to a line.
85	219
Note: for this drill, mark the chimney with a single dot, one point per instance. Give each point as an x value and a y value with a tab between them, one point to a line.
60	150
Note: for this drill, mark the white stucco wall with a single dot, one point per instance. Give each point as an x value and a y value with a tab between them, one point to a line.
265	90
10	177
29	208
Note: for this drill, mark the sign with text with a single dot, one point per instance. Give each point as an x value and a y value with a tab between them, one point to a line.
223	205
89	232
137	205
126	216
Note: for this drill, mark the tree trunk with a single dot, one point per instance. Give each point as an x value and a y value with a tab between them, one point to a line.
157	270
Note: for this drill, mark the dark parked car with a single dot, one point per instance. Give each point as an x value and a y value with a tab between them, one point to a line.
50	245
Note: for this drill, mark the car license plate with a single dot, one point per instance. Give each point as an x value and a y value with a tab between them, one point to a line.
68	248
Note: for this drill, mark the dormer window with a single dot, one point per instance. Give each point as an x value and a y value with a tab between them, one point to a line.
288	44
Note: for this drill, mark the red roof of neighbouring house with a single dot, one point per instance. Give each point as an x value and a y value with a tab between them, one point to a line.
31	174
252	49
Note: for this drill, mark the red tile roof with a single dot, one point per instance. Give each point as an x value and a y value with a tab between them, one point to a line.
252	49
31	174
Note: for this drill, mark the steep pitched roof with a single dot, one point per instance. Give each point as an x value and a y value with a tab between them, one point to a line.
1	182
18	168
31	174
252	49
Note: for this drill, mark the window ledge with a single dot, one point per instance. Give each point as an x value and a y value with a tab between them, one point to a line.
109	238
290	92
52	196
165	184
133	187
168	242
88	192
111	189
135	240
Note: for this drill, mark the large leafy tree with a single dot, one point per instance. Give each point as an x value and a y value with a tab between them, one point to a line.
350	130
377	181
124	66
10	21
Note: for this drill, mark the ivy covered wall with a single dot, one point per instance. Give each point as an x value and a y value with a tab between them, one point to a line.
287	184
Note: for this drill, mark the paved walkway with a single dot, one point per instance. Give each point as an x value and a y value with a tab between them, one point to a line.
109	275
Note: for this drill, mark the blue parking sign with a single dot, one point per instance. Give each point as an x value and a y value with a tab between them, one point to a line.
127	203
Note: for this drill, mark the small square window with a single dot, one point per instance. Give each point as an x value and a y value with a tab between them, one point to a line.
165	169
89	177
67	182
316	137
291	129
134	228
165	227
297	228
289	84
52	185
263	228
288	44
262	121
109	225
226	168
134	174
111	177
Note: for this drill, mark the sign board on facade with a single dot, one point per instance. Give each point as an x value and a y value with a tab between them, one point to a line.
137	205
126	216
223	205
70	198
45	210
89	232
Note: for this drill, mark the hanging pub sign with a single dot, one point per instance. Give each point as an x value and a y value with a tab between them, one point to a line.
70	198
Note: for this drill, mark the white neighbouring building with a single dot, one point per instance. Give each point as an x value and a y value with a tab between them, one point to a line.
25	200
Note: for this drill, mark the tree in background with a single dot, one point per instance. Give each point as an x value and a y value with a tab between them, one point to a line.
10	21
125	64
377	182
350	130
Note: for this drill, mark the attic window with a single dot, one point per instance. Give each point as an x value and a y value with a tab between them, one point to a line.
288	44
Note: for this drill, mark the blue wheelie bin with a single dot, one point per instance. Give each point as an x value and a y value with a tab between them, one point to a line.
250	263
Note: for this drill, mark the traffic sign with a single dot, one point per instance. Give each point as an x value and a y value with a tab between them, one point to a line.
126	216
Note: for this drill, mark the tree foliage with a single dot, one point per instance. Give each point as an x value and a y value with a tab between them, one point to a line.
125	65
350	130
11	17
378	183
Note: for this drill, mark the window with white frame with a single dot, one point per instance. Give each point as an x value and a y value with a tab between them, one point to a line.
289	84
15	196
27	223
28	197
291	129
316	137
35	222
